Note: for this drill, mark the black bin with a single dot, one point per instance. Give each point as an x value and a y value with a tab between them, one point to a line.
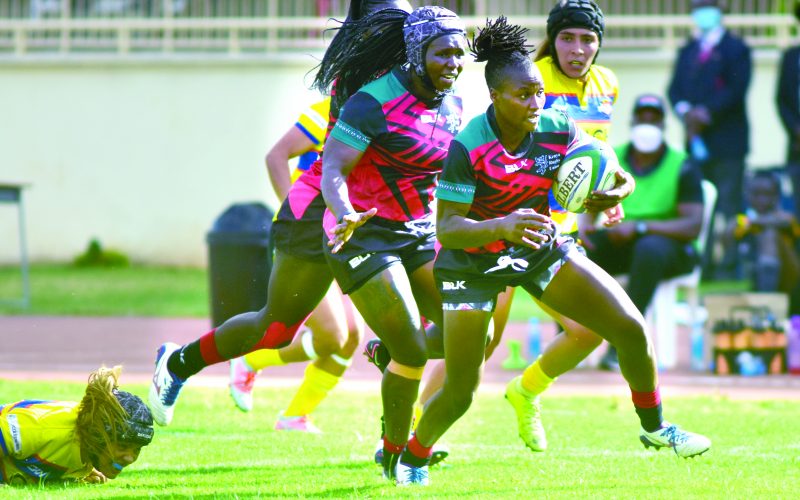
239	260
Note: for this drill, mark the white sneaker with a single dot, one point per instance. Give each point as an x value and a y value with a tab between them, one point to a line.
529	416
242	380
165	387
301	423
406	475
684	443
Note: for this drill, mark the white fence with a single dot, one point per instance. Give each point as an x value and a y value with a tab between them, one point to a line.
266	27
268	35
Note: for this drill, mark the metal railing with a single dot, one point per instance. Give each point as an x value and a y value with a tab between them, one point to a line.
268	27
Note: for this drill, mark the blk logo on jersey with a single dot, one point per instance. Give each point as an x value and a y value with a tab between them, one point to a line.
515	167
449	286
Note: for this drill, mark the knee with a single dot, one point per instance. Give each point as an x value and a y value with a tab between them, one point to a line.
583	338
330	341
460	398
352	342
632	336
410	351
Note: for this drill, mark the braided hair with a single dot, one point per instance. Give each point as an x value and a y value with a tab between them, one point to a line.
107	415
501	45
362	50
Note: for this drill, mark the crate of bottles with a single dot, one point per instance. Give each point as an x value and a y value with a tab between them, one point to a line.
750	341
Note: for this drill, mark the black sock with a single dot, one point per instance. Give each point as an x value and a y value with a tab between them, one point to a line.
650	418
390	463
409	458
186	361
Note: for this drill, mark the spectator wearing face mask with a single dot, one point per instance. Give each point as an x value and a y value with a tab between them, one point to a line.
708	92
663	216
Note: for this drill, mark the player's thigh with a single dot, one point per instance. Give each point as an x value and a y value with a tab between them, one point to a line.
387	304
500	319
585	293
296	286
328	322
426	292
464	348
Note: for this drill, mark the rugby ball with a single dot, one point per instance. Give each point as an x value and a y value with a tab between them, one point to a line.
588	165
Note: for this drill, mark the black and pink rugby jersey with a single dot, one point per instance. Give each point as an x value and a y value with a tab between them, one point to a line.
479	171
405	141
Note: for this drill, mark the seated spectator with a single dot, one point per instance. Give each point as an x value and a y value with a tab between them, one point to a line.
768	236
663	216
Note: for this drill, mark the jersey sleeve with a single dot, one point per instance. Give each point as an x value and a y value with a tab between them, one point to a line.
361	120
313	122
457	180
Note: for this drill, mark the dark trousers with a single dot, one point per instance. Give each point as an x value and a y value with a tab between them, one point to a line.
648	260
727	175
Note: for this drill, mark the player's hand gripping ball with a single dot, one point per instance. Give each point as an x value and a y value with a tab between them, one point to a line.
588	165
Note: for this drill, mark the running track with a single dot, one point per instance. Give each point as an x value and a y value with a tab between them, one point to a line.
68	348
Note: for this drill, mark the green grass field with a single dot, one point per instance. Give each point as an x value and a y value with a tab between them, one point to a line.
62	289
214	451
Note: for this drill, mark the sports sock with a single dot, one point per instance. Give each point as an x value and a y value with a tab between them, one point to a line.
391	454
315	387
535	381
417	415
263	358
648	407
415	454
193	357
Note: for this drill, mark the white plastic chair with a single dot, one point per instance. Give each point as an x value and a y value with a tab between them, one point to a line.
661	313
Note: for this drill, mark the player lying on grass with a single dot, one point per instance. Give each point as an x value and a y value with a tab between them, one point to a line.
91	441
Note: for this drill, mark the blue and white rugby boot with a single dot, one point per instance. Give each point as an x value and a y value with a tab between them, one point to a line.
165	387
684	443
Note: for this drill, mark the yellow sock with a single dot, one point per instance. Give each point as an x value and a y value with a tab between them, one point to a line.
264	358
534	380
417	415
316	385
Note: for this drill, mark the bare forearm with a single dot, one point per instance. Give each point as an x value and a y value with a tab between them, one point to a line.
279	174
680	229
462	232
335	193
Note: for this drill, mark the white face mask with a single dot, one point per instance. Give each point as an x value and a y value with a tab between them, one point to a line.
646	138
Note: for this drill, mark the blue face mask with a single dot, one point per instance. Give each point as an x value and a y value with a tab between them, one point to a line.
707	18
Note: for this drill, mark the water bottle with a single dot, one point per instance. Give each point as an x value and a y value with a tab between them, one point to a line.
534	339
697	361
698	149
793	346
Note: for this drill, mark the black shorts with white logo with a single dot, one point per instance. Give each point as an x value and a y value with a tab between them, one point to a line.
378	244
297	229
473	281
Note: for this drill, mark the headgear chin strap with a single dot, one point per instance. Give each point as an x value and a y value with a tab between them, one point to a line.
424	25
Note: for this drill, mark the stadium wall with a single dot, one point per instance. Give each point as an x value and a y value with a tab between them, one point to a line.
144	155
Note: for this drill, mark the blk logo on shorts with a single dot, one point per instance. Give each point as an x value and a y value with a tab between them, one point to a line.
449	286
358	260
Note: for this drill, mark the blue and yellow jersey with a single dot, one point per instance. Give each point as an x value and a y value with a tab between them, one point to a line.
313	123
589	103
38	442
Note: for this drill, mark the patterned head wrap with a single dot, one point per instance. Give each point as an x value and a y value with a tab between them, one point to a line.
575	14
424	25
140	420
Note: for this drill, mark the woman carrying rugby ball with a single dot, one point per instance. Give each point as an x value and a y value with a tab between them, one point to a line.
495	230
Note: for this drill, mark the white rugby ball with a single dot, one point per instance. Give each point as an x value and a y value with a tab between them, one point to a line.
587	166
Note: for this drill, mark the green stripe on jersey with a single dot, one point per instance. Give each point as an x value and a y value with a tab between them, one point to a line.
458	193
354	138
